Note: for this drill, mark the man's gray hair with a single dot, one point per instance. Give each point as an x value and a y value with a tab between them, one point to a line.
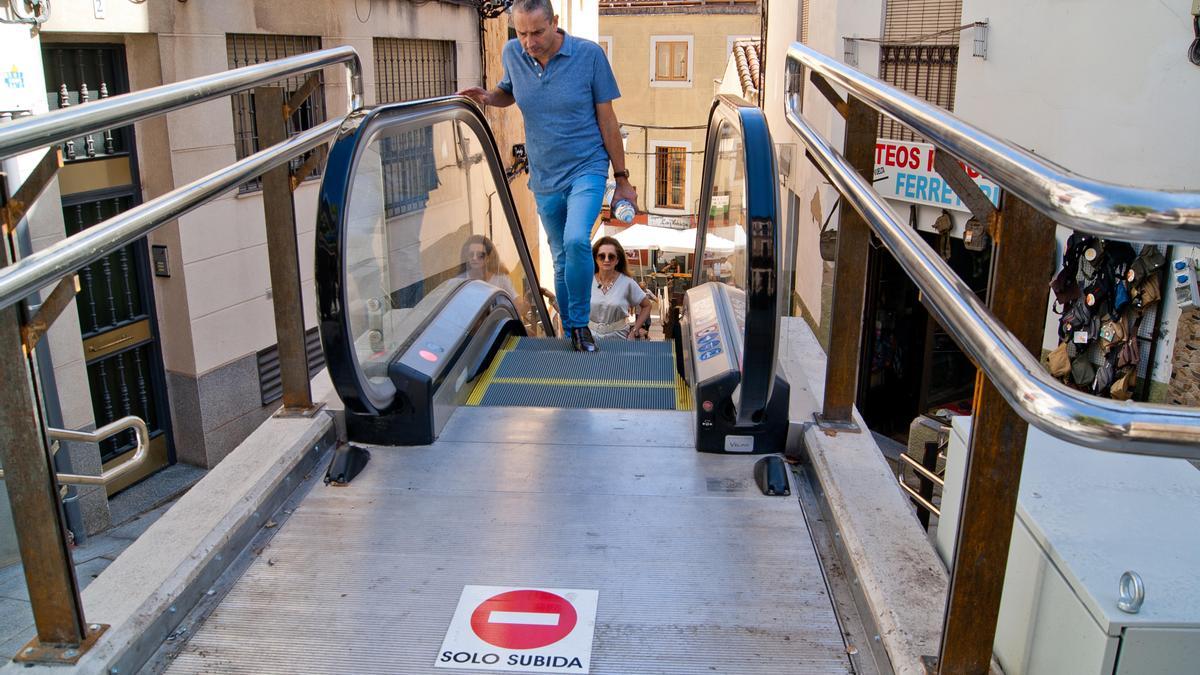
543	6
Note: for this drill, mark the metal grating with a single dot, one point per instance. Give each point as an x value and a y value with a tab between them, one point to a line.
270	385
407	70
646	347
579	396
601	367
696	571
244	49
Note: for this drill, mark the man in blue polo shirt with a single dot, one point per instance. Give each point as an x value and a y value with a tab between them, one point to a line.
564	88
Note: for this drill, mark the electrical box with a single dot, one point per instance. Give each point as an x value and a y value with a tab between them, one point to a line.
1183	280
1084	518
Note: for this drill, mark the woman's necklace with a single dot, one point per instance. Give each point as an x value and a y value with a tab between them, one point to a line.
605	286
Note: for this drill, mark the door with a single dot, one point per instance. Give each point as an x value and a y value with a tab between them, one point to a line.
116	301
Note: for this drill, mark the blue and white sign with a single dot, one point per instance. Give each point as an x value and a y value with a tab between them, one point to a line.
904	172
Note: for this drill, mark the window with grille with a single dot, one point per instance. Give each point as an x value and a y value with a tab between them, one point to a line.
670	173
247	49
919	54
407	70
671	61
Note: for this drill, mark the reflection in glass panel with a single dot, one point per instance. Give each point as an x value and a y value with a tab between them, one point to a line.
725	245
423	218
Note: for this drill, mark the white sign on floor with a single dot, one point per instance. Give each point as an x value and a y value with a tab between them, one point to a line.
521	630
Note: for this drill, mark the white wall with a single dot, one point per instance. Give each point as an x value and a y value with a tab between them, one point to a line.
829	23
1102	87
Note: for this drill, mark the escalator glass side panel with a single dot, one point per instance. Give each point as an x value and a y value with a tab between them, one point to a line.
739	233
413	206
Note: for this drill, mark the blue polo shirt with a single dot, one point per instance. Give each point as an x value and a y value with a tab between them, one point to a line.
559	103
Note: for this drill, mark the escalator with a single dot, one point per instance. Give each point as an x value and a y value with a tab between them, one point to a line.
526	508
426	289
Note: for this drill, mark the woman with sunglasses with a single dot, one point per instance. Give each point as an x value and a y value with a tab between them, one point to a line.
479	261
614	294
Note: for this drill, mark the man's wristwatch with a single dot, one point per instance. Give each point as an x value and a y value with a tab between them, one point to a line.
623	173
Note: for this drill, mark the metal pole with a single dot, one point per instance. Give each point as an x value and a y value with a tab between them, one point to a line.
280	212
849	280
33	496
1023	262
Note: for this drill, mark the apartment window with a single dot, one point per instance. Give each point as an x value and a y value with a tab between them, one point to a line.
670	177
407	70
248	49
926	71
605	43
671	61
919	54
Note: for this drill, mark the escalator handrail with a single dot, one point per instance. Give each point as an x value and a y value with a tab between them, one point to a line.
344	370
760	341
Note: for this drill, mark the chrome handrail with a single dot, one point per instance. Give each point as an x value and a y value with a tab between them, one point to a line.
44	267
1097	207
30	133
114	427
1104	424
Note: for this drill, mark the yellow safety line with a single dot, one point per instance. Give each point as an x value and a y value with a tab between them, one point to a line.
488	375
683	394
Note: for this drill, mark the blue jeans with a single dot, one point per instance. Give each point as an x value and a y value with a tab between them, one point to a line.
568	216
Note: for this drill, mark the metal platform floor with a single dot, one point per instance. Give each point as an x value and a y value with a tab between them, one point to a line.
696	570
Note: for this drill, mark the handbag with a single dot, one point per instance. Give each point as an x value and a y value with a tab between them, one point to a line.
1060	361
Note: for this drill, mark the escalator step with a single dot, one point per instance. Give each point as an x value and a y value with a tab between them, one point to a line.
605	366
647	347
577	396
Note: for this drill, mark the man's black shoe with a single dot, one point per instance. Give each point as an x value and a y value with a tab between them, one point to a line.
582	340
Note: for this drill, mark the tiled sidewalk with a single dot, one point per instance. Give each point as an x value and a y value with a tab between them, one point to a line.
16	617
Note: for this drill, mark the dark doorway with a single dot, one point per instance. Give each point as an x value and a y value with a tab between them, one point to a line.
910	364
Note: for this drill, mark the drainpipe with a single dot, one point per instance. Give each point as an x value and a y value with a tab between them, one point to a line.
49	390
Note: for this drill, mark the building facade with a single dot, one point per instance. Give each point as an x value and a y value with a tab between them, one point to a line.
179	328
668	58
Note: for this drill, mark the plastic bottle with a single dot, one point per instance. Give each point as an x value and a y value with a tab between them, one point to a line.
623	210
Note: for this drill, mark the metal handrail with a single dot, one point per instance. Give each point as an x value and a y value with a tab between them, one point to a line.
1104	424
129	464
47	266
1097	207
39	131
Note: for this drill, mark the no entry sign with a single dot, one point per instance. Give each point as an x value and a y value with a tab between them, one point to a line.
538	630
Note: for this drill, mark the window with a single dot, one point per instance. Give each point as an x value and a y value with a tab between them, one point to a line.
407	70
248	49
605	43
671	61
670	177
927	69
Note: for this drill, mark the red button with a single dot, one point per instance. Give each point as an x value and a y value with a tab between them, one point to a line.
428	355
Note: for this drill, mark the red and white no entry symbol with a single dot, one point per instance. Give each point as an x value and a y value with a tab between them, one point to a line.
525	619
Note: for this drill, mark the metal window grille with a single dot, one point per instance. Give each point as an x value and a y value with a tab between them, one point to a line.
804	5
670	176
927	71
407	70
270	381
247	49
670	61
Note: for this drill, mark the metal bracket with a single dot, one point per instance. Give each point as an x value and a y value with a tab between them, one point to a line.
966	189
301	95
295	178
490	9
32	188
35	652
294	413
33	329
835	426
830	94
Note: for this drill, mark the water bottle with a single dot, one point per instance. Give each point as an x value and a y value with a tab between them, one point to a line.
623	210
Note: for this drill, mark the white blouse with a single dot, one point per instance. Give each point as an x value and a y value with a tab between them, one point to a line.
609	309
